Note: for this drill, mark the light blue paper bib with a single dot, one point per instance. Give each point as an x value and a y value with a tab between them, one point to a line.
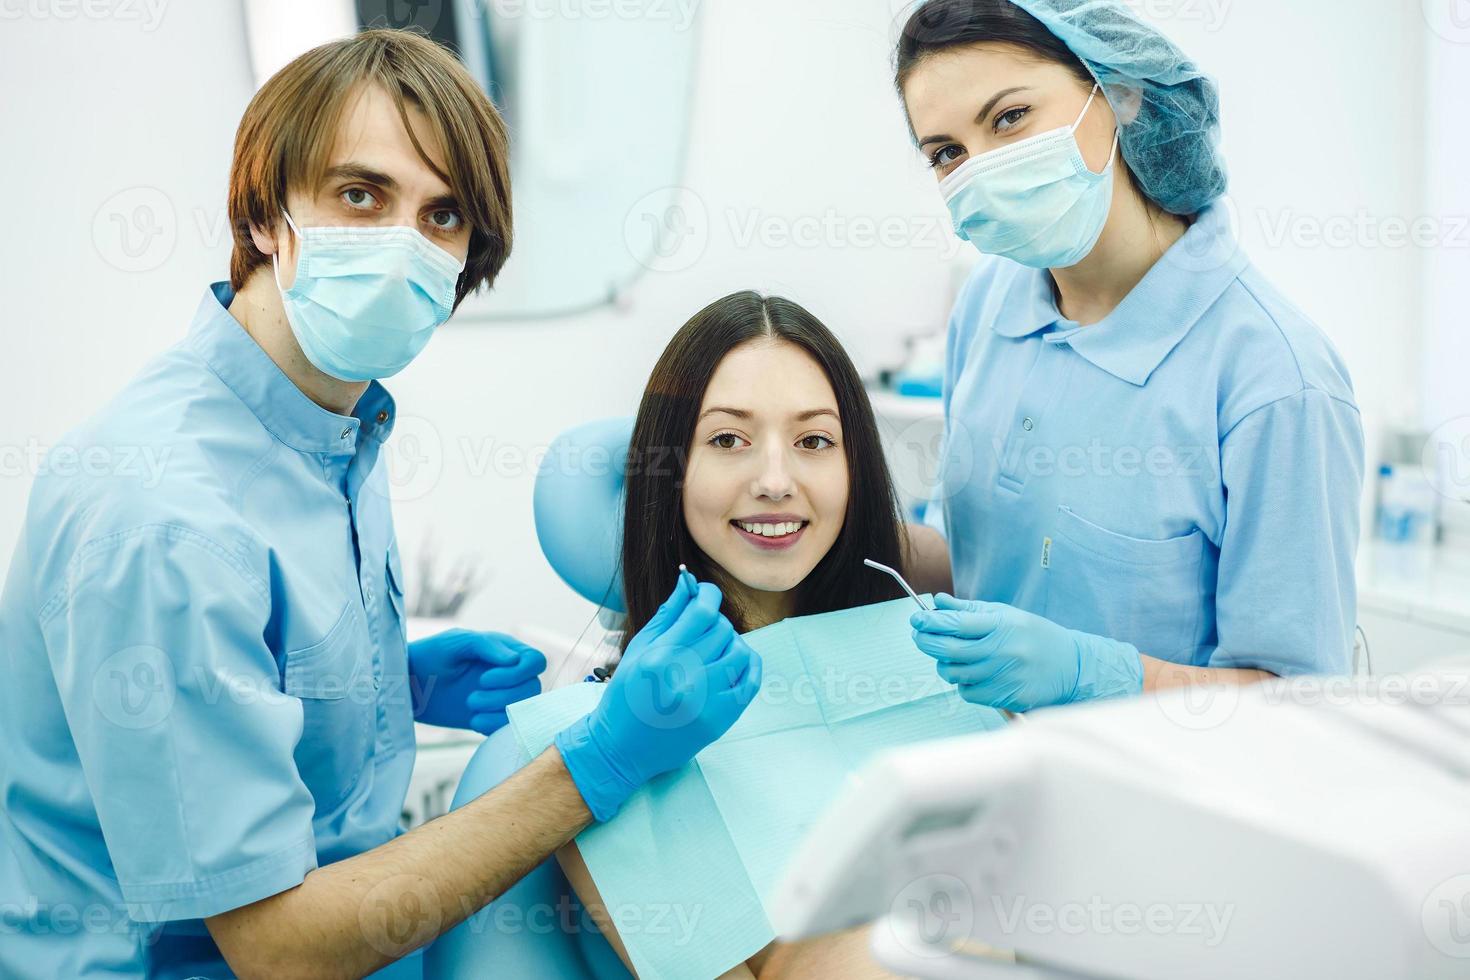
687	865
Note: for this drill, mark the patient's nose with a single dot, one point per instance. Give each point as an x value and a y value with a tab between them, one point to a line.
774	480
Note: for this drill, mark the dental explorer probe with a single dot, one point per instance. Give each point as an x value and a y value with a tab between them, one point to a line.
899	579
1009	715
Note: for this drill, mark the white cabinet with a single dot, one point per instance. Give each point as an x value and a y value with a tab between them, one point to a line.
912	430
1413	606
1398	645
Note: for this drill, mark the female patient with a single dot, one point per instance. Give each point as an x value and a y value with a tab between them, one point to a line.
755	460
778	488
782	492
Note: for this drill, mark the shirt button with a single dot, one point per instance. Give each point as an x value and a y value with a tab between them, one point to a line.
1027	424
346	432
382	417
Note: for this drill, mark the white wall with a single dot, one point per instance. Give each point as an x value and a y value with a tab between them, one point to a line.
1446	363
105	120
1324	131
796	129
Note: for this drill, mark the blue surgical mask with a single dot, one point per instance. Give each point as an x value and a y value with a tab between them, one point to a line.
1035	201
366	300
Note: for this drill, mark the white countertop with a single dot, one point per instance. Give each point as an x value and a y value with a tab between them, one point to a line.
905	408
1430	586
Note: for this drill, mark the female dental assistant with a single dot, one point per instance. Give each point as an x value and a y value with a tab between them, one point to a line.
1153	460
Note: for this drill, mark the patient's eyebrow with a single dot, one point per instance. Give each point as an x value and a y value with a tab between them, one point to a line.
741	413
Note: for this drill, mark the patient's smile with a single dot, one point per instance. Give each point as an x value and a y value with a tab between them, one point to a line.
766	488
771	532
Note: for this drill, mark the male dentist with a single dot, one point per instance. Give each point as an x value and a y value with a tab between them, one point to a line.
207	704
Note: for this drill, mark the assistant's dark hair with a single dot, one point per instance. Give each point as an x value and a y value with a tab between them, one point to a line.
942	25
655	538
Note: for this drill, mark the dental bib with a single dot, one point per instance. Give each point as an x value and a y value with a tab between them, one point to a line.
688	864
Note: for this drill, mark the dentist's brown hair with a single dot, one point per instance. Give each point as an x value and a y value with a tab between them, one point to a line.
287	133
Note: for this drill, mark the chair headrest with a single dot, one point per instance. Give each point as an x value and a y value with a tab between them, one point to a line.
579	508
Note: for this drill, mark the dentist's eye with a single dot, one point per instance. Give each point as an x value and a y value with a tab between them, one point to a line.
946	156
718	440
805	440
1010	119
446	221
358	198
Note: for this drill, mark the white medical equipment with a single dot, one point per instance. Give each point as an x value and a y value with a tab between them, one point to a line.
1302	828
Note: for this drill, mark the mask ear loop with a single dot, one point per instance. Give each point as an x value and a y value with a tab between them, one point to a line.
1117	134
275	266
1096	86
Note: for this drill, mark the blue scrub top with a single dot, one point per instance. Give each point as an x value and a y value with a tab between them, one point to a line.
1183	475
205	676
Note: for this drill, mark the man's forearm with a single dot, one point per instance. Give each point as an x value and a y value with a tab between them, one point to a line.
356	916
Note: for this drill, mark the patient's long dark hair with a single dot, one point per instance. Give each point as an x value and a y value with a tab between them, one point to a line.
655	537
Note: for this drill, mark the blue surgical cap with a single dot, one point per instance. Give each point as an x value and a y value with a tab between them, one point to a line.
1168	110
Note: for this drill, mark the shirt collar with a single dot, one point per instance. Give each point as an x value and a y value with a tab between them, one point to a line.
285	411
1133	340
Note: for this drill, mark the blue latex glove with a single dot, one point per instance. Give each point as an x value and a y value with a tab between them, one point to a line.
464	679
1004	657
681	684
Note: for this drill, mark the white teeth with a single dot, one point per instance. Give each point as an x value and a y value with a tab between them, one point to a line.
772	530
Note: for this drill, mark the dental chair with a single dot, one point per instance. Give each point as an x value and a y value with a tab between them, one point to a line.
1297	828
538	929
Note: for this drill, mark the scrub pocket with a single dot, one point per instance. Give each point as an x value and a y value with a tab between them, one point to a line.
334	681
1144	591
395	582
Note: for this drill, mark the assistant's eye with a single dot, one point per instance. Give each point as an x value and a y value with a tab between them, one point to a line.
718	440
946	156
358	197
805	440
446	220
1010	119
